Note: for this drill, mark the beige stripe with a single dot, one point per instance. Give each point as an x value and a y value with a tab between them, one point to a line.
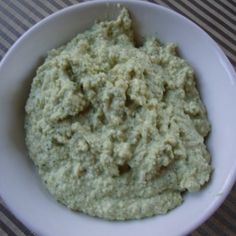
162	3
50	5
2	53
230	201
74	1
10	224
9	34
195	233
206	228
226	21
230	204
230	34
17	29
5	42
6	30
16	14
223	9
1	201
227	3
223	213
233	195
39	9
220	225
26	10
209	27
2	233
205	26
11	23
62	3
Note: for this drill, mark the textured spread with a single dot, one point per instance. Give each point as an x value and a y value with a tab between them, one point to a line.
115	130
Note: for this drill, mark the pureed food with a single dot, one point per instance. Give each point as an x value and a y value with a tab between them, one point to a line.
115	130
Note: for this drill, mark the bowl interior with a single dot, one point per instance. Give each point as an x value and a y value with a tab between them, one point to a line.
20	186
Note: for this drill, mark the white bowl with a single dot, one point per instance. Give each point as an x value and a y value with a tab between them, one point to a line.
20	186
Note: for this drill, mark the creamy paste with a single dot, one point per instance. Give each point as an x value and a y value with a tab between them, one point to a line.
117	130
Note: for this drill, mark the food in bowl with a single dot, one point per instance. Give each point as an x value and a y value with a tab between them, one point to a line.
115	129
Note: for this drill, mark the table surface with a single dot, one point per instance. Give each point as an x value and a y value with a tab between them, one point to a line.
217	17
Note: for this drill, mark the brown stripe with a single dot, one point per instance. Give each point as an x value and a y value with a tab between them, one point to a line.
2	233
230	51
12	37
226	5
6	39
3	50
230	201
10	224
56	4
35	7
50	6
153	1
209	13
10	216
224	42
20	12
7	27
162	3
231	21
219	226
230	204
7	229
201	231
232	196
224	219
196	233
208	227
218	37
188	14
24	4
65	3
68	3
233	3
8	13
227	210
43	6
215	229
217	26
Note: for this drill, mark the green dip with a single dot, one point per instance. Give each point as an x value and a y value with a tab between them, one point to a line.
115	130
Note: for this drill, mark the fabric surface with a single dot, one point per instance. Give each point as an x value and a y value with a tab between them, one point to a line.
217	17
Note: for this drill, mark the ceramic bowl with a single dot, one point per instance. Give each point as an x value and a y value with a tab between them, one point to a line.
20	186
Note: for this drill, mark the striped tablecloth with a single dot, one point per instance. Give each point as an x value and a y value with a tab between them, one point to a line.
217	17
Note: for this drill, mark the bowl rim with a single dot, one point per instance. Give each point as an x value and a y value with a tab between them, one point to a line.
229	182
